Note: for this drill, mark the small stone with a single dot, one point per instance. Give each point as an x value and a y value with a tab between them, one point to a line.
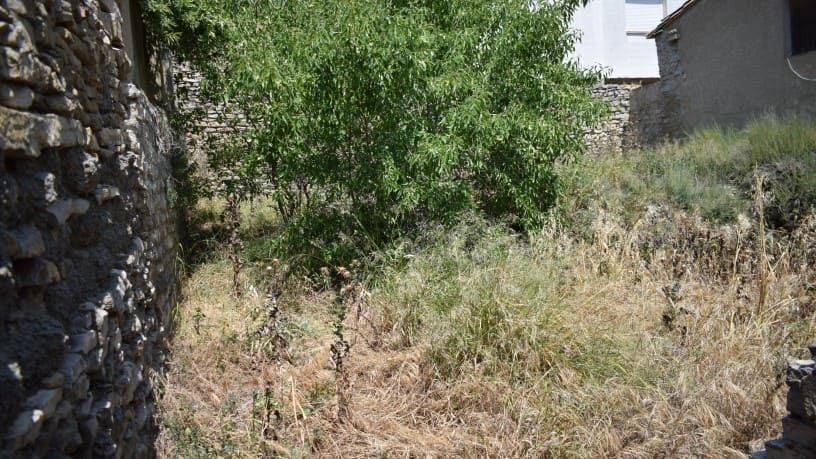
105	193
67	208
812	349
15	96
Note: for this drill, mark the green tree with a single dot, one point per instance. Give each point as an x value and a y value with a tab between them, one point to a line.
379	114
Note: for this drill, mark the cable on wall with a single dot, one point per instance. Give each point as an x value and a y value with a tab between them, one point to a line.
798	75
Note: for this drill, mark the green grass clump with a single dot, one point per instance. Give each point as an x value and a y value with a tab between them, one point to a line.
485	299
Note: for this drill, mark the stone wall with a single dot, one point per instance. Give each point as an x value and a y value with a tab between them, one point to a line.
710	77
616	133
87	234
798	440
207	123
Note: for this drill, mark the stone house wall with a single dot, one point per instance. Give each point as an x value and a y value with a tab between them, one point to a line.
87	234
726	62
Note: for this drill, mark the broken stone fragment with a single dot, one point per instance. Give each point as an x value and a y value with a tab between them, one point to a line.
24	135
67	208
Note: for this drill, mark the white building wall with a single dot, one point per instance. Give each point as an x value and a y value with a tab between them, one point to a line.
605	42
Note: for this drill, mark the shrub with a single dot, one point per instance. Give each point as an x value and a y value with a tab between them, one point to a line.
395	112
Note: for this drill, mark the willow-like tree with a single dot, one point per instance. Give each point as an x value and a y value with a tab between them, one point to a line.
376	114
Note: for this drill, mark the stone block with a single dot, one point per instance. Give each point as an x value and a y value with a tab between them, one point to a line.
799	431
64	13
67	208
110	137
45	400
781	448
73	366
16	96
104	193
54	381
25	428
83	343
27	68
801	379
24	135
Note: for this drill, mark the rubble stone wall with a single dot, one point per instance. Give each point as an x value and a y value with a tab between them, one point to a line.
798	440
616	133
87	234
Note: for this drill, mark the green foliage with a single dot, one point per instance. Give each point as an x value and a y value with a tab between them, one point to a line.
711	173
392	111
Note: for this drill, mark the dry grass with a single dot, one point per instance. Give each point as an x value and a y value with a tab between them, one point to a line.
626	337
580	364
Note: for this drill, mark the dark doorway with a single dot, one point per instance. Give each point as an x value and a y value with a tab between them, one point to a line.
803	26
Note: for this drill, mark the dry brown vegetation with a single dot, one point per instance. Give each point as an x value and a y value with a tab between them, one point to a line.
631	337
623	366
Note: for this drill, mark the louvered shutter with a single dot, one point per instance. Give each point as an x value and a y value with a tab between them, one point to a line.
643	15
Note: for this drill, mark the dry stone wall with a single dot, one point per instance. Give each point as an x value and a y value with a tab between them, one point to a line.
798	440
615	134
87	234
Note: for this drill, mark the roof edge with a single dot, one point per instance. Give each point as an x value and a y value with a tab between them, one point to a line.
668	20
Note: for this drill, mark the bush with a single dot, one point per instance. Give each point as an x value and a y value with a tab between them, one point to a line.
395	112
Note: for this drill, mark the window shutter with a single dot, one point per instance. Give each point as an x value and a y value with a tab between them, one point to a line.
643	15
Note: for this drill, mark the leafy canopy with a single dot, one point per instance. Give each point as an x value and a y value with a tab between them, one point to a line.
392	111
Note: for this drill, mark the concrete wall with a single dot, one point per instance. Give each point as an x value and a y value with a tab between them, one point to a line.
87	234
728	65
605	43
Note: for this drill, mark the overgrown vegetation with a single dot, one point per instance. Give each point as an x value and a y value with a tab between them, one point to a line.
712	173
632	327
368	118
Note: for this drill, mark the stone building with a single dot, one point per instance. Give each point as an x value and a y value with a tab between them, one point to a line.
87	229
727	61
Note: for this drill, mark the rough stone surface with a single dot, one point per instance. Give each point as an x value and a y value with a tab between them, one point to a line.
617	132
87	234
798	440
